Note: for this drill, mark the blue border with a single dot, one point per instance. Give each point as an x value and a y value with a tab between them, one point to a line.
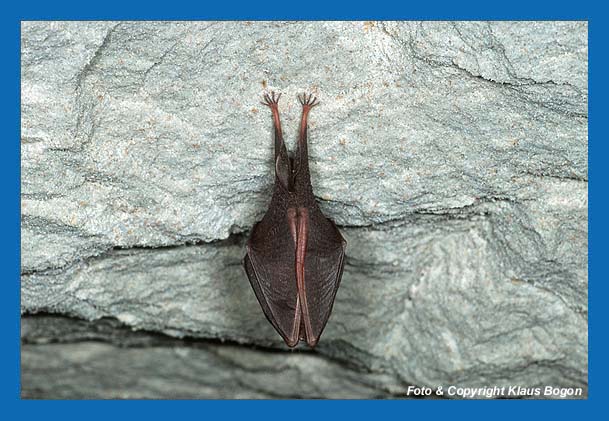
304	10
10	210
310	10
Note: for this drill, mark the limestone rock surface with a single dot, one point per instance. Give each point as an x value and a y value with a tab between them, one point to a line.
453	155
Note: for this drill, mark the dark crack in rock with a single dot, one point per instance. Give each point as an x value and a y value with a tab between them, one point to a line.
72	359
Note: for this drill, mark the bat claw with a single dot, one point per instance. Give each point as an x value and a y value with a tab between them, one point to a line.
271	100
308	101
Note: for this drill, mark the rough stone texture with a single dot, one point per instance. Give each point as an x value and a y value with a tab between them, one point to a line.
454	156
71	359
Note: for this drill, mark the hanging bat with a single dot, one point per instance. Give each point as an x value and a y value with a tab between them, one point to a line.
295	255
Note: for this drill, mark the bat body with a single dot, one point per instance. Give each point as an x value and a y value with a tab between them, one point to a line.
295	255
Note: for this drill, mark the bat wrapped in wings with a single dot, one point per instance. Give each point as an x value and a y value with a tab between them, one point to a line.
295	255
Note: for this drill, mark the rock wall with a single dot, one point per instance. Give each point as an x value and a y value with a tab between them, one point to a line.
452	155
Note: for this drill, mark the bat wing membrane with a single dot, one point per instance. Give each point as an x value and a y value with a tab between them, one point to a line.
324	265
269	264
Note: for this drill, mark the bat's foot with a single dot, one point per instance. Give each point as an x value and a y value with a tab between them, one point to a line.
271	100
308	101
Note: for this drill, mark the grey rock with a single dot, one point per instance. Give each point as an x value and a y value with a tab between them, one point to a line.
120	364
454	156
93	370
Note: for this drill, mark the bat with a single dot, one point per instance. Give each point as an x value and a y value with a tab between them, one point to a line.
295	255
